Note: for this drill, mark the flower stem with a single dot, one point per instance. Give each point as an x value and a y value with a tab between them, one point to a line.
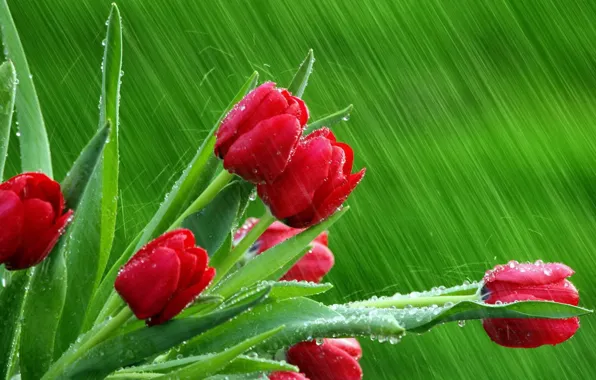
222	179
402	302
223	264
113	304
90	341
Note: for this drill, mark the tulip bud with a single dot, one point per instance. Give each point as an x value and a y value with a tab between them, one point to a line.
334	359
258	136
164	277
530	282
32	218
315	183
313	266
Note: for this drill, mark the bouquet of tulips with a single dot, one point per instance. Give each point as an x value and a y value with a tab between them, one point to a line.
202	292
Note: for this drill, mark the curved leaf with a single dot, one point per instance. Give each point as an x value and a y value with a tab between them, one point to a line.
304	320
11	301
300	80
211	364
330	120
132	347
267	263
90	242
8	87
35	147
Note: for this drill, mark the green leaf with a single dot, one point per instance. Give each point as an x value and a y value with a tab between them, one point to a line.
241	364
8	88
90	243
11	301
300	80
193	180
422	319
244	376
267	263
130	348
213	224
281	271
35	147
73	186
330	120
281	290
304	319
47	289
212	364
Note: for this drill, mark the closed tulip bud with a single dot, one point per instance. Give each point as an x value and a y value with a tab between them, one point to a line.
313	266
334	359
316	182
530	282
32	218
258	136
164	277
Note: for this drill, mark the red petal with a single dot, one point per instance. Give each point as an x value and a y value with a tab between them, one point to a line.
323	238
287	376
293	191
325	362
336	177
19	183
528	274
349	345
202	260
297	107
188	266
272	105
236	117
147	284
246	227
349	154
183	299
178	240
529	333
313	266
277	233
562	291
261	154
329	206
12	218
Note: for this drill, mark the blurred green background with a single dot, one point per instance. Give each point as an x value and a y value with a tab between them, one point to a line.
475	119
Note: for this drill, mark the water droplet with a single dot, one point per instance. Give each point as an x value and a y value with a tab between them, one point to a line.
319	341
346	118
253	195
461	323
18	134
103	42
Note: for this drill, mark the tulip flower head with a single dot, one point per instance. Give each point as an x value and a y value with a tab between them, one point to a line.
332	359
530	282
257	138
313	266
32	218
164	277
316	182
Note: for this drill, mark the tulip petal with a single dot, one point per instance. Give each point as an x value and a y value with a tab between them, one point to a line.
202	260
178	240
528	273
297	107
531	332
331	203
36	249
183	299
323	238
12	219
336	177
313	266
263	153
324	362
188	266
287	376
349	345
148	283
236	117
561	291
293	191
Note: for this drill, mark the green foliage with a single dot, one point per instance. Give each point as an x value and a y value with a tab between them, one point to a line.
8	87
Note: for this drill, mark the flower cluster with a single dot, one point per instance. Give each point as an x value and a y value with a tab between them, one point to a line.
302	179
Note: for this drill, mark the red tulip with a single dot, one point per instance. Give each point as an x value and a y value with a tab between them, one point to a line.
316	182
313	266
258	136
32	218
164	277
335	359
287	376
530	282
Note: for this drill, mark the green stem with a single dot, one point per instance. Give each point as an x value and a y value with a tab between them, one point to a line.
102	334
113	304
206	196
403	302
223	264
135	375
